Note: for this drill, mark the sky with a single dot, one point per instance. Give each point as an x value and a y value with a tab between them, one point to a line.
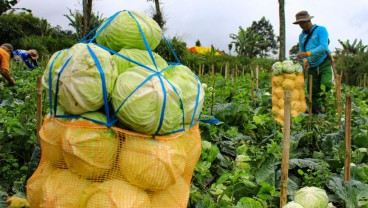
212	21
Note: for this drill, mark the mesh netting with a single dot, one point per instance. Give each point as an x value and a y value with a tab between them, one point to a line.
84	164
288	81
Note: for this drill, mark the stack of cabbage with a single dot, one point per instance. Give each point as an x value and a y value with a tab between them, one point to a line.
287	76
145	152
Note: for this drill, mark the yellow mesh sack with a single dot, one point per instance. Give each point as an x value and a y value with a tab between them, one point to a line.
295	83
91	165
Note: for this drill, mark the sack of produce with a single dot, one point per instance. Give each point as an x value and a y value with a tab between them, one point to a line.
287	76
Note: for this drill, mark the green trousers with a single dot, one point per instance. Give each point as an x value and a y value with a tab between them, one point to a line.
322	82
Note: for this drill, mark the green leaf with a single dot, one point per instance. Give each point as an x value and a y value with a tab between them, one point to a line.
247	202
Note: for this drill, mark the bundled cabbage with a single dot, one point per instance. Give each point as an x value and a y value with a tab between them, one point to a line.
143	98
63	189
277	68
90	152
115	193
36	181
288	66
175	195
192	91
288	81
156	164
122	31
56	62
141	56
80	87
311	197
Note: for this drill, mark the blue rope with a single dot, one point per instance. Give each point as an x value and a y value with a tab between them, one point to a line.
50	82
57	83
103	80
171	48
197	100
105	25
144	40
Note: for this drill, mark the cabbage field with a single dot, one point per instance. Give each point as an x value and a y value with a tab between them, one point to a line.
240	112
240	164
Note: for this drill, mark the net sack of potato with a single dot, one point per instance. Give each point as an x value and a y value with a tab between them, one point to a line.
287	76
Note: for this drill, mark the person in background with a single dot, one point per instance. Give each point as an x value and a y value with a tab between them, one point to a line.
6	53
29	57
313	49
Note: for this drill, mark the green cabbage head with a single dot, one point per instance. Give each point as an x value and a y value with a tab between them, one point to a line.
123	32
141	56
311	197
140	102
192	91
57	60
80	83
277	68
292	204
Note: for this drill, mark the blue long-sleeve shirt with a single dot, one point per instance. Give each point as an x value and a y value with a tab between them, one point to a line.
31	63
317	45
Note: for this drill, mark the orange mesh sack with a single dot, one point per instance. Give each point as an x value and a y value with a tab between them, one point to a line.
289	76
97	166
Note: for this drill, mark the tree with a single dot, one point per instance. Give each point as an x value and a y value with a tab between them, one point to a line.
76	21
293	51
158	16
267	41
5	5
282	37
230	46
351	49
198	43
246	42
87	11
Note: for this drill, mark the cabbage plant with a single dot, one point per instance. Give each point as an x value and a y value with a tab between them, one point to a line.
311	197
123	30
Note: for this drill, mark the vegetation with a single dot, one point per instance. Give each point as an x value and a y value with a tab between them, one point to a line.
241	155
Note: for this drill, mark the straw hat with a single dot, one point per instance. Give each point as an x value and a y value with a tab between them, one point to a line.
302	16
33	53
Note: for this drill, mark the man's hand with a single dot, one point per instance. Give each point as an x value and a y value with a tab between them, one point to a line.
302	55
305	64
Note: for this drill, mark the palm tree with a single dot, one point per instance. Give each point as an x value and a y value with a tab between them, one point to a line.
282	29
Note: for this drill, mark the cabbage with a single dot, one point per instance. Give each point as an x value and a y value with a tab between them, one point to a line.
292	204
57	60
277	81
52	133
311	197
80	84
279	92
298	68
90	152
139	104
115	193
123	32
288	84
141	56
295	95
176	195
277	68
299	82
193	92
152	164
36	181
288	66
63	189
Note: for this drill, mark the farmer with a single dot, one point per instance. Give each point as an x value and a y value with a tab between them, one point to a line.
29	57
313	49
6	52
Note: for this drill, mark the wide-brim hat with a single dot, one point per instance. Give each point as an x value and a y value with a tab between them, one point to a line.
302	16
34	54
10	47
